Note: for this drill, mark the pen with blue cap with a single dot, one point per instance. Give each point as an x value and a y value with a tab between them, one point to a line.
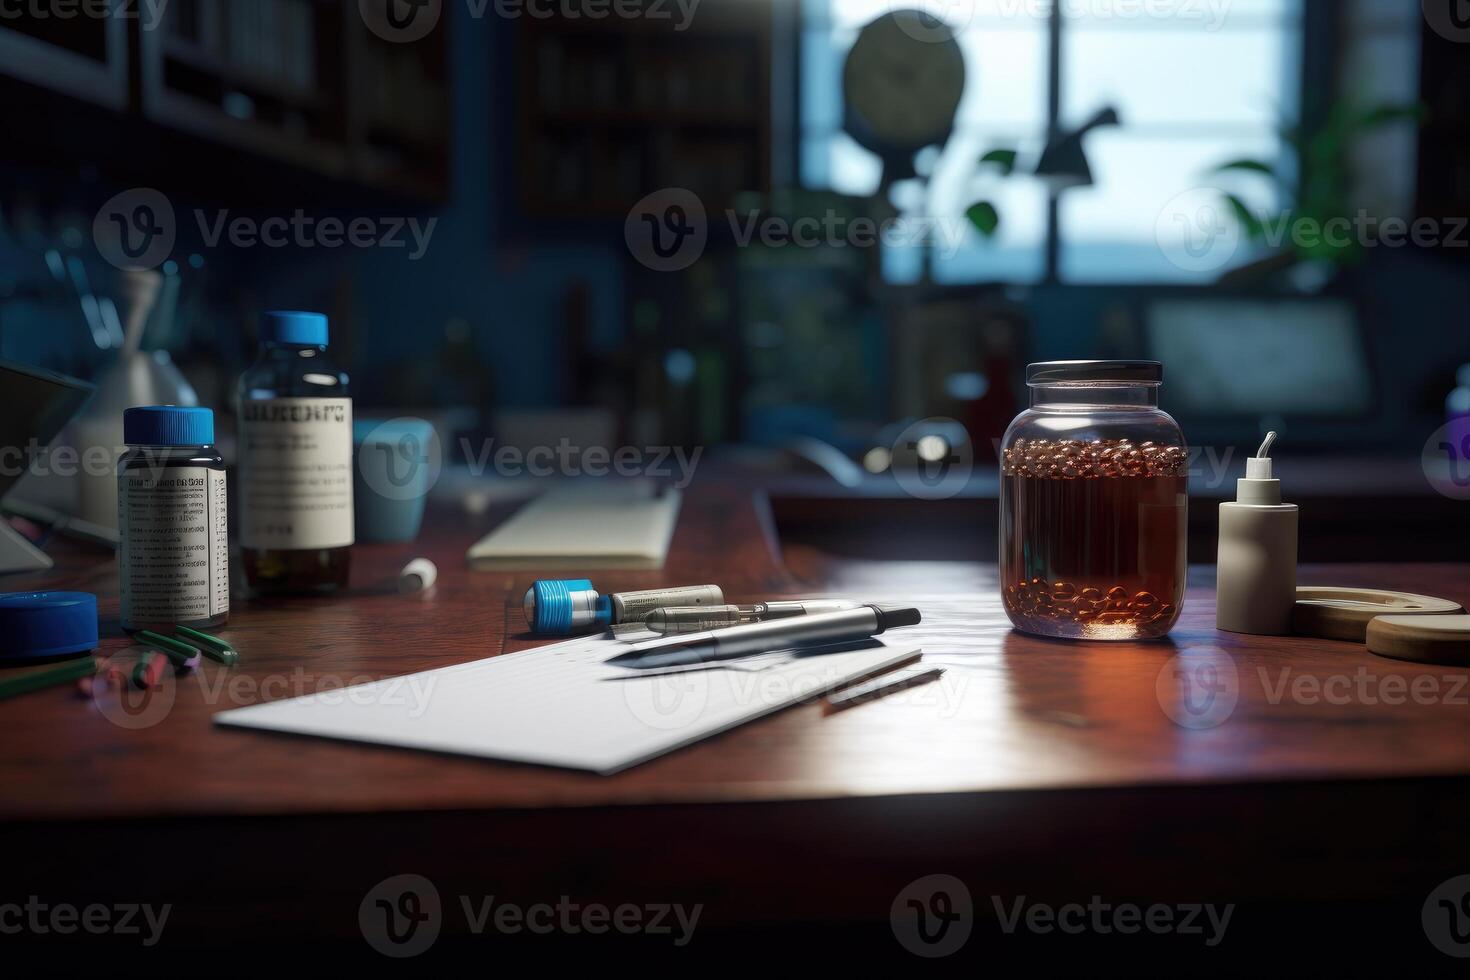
573	605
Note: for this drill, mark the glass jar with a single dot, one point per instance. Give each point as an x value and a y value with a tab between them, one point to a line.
1094	504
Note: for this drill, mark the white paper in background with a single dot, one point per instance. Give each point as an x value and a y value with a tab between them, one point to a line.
562	705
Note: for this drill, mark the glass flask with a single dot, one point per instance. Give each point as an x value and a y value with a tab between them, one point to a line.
1094	504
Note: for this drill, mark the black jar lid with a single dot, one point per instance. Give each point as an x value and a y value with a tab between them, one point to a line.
1095	372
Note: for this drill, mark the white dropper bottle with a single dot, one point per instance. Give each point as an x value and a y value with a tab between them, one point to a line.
1256	588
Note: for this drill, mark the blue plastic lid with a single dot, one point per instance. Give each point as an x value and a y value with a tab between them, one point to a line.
294	327
47	624
168	425
551	606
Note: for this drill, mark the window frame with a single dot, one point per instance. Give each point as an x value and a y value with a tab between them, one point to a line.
1317	87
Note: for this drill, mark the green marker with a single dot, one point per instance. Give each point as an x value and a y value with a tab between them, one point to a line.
211	646
180	654
51	676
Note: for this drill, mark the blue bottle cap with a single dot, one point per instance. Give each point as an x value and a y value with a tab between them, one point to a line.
47	624
168	425
561	605
294	327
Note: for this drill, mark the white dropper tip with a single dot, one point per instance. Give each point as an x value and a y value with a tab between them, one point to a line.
1258	467
1259	486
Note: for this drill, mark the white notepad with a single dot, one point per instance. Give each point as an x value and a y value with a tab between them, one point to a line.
604	525
562	705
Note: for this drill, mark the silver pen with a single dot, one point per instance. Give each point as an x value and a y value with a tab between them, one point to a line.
778	634
700	619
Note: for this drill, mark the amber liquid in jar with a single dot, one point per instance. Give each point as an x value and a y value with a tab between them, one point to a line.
1093	537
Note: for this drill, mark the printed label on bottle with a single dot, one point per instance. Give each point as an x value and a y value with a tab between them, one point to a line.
296	473
173	544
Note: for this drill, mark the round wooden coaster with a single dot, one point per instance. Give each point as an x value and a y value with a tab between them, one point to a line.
1343	614
1426	639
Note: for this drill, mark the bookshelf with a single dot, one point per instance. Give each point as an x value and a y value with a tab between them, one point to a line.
610	109
84	58
298	84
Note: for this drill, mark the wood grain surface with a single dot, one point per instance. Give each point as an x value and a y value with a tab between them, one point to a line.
1034	767
1018	712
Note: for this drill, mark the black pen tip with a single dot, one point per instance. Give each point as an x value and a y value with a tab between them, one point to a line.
907	616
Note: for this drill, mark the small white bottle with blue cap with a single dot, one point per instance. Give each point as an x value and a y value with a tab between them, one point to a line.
295	477
173	521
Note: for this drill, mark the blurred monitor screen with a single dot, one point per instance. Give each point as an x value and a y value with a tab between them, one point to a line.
34	406
1254	358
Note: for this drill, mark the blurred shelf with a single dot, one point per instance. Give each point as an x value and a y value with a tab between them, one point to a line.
99	77
609	110
299	91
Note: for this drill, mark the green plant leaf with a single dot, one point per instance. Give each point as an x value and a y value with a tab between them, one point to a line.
984	217
1004	160
1251	166
1255	229
1382	115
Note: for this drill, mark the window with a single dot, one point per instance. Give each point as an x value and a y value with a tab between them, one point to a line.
1196	84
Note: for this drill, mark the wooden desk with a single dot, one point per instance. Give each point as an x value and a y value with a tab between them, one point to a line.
1054	772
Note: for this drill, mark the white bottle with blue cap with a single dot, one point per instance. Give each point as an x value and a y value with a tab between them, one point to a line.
296	507
173	521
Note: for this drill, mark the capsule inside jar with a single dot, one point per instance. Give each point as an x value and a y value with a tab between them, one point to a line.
1094	505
